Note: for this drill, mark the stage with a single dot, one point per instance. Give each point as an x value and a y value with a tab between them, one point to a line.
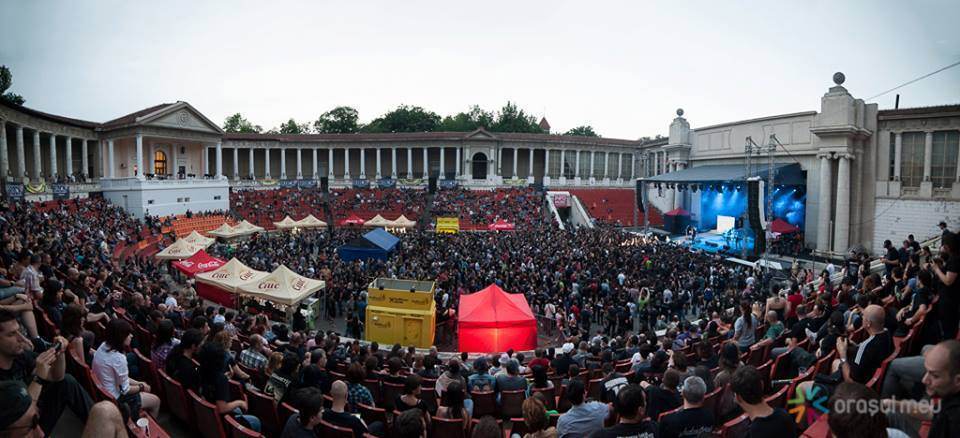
731	242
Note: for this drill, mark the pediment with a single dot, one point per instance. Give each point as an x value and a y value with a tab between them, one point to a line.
181	116
480	134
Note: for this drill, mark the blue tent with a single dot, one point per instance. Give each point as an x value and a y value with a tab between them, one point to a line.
376	244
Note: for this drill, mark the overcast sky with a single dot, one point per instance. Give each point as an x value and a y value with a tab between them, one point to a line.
623	68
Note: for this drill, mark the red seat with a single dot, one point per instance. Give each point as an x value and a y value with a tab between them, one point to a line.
484	403
779	398
511	403
285	411
549	394
389	393
329	430
238	430
148	372
735	428
175	398
263	407
447	428
207	419
371	414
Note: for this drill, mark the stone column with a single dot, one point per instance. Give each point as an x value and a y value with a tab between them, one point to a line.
606	165
253	172
53	156
499	165
563	164
299	163
633	166
620	165
576	165
530	163
110	162
283	163
443	168
363	163
393	162
330	163
927	156
37	159
219	153
266	163
546	163
824	203
379	171
514	175
236	163
21	156
592	155
83	158
409	163
206	160
458	164
5	155
426	162
346	163
898	153
316	170
841	238
468	163
174	150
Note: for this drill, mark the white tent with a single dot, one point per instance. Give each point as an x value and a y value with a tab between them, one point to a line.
377	221
282	286
310	222
245	228
230	275
179	250
198	239
286	223
225	231
402	222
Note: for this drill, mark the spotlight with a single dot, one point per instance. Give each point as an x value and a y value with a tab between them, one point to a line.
695	187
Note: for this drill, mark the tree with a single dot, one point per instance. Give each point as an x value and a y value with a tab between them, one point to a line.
6	80
468	121
340	120
405	119
512	119
237	123
292	127
583	131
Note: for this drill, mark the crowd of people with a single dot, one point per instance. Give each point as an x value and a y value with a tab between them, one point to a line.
519	206
646	338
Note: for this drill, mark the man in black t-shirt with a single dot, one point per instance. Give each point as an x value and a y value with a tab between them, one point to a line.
337	414
693	420
630	408
870	353
765	421
663	398
892	258
947	272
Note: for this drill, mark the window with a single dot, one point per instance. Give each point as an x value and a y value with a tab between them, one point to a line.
159	163
216	198
943	168
584	164
893	155
627	166
911	160
554	170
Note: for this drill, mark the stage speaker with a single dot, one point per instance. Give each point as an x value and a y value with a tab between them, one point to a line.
324	184
433	184
755	203
640	195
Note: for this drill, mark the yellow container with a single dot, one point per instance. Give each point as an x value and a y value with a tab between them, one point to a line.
401	311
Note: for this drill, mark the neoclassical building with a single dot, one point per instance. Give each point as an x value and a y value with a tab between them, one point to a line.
865	175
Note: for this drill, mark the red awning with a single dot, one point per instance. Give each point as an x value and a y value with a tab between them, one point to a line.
492	320
199	262
352	220
501	225
677	212
783	227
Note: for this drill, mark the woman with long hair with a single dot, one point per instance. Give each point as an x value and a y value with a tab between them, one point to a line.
109	365
537	420
72	329
163	342
215	388
745	332
452	404
540	380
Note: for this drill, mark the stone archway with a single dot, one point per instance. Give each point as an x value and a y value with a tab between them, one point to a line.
479	165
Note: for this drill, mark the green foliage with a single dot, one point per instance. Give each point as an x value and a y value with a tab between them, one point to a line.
340	120
468	121
405	119
292	127
237	123
583	131
6	80
512	119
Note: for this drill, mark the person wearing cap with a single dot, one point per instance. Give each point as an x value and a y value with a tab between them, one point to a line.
43	374
693	420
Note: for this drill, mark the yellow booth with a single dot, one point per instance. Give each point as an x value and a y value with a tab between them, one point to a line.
448	225
401	311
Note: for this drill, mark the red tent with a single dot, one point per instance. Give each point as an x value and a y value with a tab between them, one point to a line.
501	225
492	320
199	262
352	220
783	227
677	212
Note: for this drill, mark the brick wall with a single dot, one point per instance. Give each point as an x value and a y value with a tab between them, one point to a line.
899	217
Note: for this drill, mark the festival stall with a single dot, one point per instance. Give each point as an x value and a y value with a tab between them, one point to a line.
225	231
279	291
220	284
448	225
199	239
245	228
179	250
199	262
501	225
352	220
376	244
676	220
401	224
377	221
780	226
310	222
286	224
401	312
494	320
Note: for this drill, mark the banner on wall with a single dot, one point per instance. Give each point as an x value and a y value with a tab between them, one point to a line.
448	184
288	183
361	183
387	183
14	192
307	183
561	201
61	191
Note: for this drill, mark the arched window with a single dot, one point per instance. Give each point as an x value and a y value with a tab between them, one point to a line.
159	163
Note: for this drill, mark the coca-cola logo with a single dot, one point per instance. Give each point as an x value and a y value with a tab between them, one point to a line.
207	265
186	263
269	285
